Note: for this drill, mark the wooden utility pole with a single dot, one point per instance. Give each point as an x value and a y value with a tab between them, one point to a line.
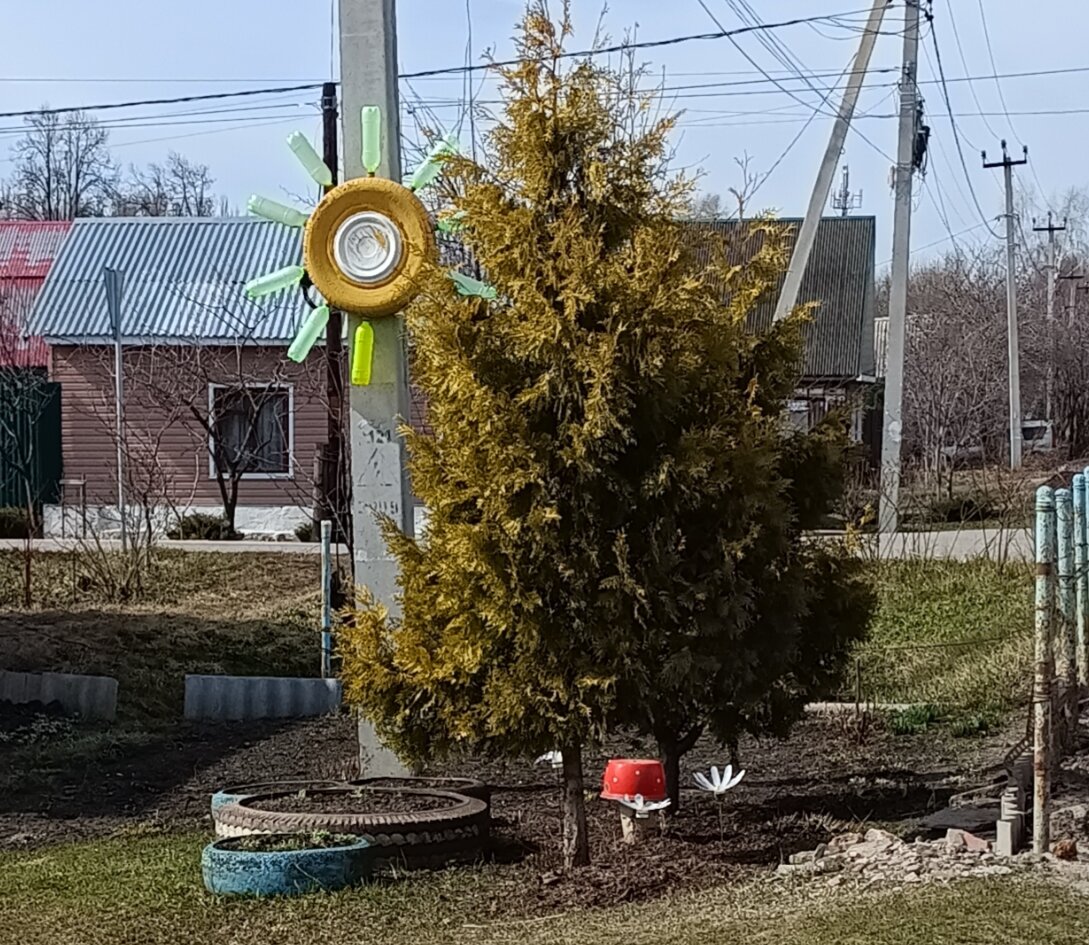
1013	348
334	476
807	232
906	156
1051	230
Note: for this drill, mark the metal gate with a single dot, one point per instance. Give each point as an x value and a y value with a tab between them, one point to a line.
30	438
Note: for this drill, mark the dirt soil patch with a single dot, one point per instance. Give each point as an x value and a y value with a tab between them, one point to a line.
358	801
798	792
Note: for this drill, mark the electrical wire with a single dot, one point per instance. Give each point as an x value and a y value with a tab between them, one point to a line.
778	85
1002	96
956	131
964	63
624	47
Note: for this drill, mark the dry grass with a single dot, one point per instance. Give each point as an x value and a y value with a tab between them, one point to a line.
147	890
202	613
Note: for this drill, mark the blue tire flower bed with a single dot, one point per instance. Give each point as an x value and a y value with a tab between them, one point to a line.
284	865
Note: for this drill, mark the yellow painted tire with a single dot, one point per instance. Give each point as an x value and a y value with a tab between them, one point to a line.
418	248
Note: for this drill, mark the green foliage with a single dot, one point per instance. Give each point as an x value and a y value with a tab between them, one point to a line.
14	523
914	719
953	633
973	724
615	510
201	526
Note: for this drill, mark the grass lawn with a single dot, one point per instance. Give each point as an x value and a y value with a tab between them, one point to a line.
956	634
257	614
147	890
248	614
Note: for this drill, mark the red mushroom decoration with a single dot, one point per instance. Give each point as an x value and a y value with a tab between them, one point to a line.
626	777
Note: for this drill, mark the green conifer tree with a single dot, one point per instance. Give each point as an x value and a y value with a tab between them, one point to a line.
613	521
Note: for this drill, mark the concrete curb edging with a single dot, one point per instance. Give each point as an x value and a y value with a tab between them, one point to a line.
92	697
241	698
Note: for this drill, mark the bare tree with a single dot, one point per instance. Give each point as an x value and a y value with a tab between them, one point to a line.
178	188
63	168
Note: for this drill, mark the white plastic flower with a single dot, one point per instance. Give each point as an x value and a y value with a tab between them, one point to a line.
719	784
554	758
643	807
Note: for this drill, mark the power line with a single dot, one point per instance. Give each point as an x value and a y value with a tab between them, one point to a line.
953	125
776	82
624	47
964	62
1002	97
208	96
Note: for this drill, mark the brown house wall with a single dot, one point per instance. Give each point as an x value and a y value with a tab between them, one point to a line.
168	449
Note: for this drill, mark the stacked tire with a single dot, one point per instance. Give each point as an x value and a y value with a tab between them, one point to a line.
456	831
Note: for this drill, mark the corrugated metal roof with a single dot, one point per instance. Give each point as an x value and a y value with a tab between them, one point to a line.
27	250
28	247
839	341
183	280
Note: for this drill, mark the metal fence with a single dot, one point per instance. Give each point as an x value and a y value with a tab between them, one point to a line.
30	438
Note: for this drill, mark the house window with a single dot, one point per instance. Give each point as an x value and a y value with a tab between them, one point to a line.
252	434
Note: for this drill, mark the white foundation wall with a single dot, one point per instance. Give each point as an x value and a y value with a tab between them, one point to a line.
273	522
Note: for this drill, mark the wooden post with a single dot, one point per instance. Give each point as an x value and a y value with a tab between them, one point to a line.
1041	693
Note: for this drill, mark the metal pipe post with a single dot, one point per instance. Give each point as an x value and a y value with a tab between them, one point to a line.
1065	639
326	599
1081	580
1041	693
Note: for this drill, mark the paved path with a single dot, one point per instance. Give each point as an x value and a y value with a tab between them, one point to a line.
998	544
227	547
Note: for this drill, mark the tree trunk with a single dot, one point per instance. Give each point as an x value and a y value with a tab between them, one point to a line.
576	840
671	761
672	749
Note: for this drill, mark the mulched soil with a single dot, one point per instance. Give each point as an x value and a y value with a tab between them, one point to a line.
359	801
798	792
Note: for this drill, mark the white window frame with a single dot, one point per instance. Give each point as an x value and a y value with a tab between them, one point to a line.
256	385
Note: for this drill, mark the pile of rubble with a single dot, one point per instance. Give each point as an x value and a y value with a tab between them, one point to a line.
877	856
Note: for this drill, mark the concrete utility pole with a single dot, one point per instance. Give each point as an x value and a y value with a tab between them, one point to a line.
1051	230
1007	165
333	490
888	520
1073	278
368	76
843	200
807	232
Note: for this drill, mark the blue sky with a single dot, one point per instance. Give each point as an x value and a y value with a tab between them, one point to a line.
76	52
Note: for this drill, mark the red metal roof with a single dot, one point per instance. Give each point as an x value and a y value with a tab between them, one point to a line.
28	247
27	250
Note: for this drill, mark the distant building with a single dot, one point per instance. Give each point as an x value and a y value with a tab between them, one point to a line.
27	251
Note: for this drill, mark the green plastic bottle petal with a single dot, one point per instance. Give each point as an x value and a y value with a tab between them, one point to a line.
309	158
432	166
277	212
309	332
274	281
472	287
362	354
452	223
372	137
